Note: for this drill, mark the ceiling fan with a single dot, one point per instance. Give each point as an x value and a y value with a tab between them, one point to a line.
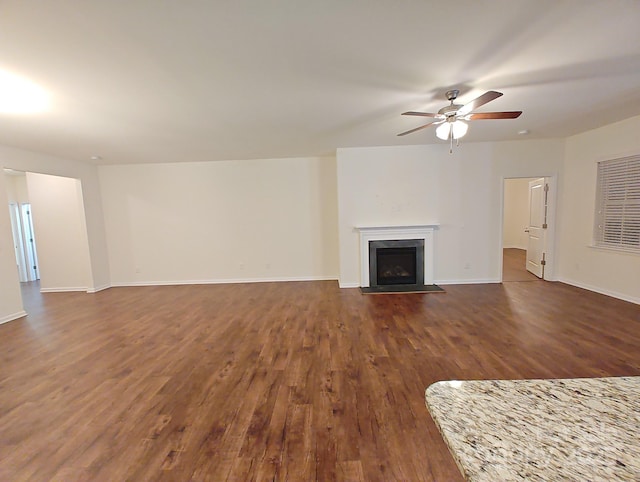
450	119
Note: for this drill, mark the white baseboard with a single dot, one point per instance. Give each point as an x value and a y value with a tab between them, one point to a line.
63	289
602	291
221	281
348	285
98	288
467	281
12	317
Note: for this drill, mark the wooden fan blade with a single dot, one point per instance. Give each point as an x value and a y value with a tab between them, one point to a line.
423	114
417	129
495	115
480	101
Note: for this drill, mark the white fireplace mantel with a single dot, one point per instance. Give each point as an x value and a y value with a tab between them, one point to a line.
389	233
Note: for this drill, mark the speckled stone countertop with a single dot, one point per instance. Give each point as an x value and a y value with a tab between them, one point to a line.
574	429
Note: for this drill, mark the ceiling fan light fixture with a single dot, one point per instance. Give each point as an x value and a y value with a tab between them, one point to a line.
459	129
456	128
443	131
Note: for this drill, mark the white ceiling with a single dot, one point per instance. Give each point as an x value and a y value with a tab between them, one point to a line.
197	80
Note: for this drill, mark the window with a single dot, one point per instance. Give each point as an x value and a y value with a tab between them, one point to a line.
617	220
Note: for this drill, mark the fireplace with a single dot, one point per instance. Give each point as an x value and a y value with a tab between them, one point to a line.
396	263
396	258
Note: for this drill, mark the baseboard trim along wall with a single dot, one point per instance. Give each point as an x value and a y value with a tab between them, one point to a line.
349	285
12	317
220	281
63	290
467	281
614	294
99	288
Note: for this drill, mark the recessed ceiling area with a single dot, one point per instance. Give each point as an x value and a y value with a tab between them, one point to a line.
144	81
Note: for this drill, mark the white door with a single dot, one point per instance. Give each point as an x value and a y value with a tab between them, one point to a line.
33	273
16	228
537	226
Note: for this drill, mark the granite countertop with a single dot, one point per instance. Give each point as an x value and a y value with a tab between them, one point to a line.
573	429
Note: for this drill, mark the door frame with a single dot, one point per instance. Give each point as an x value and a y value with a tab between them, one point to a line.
550	271
29	239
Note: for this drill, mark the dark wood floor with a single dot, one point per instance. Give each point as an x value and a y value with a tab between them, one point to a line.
277	381
514	266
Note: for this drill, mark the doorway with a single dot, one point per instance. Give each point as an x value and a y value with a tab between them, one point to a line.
50	209
527	230
22	230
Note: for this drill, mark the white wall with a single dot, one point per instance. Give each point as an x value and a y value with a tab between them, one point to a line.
17	188
427	185
609	272
10	297
221	221
516	213
21	160
60	232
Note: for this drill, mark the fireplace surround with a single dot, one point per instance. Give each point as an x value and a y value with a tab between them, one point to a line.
396	239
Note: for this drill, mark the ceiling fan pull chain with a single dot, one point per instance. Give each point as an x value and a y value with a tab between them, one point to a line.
451	145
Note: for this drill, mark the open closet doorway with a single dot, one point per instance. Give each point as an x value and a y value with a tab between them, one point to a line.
48	211
525	234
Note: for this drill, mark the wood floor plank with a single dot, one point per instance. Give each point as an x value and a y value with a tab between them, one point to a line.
514	262
277	381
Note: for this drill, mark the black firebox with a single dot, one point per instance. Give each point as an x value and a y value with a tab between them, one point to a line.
396	264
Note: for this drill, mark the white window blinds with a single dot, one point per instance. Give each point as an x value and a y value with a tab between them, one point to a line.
617	220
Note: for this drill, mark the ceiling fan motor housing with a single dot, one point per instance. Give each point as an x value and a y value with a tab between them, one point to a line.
452	94
451	110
